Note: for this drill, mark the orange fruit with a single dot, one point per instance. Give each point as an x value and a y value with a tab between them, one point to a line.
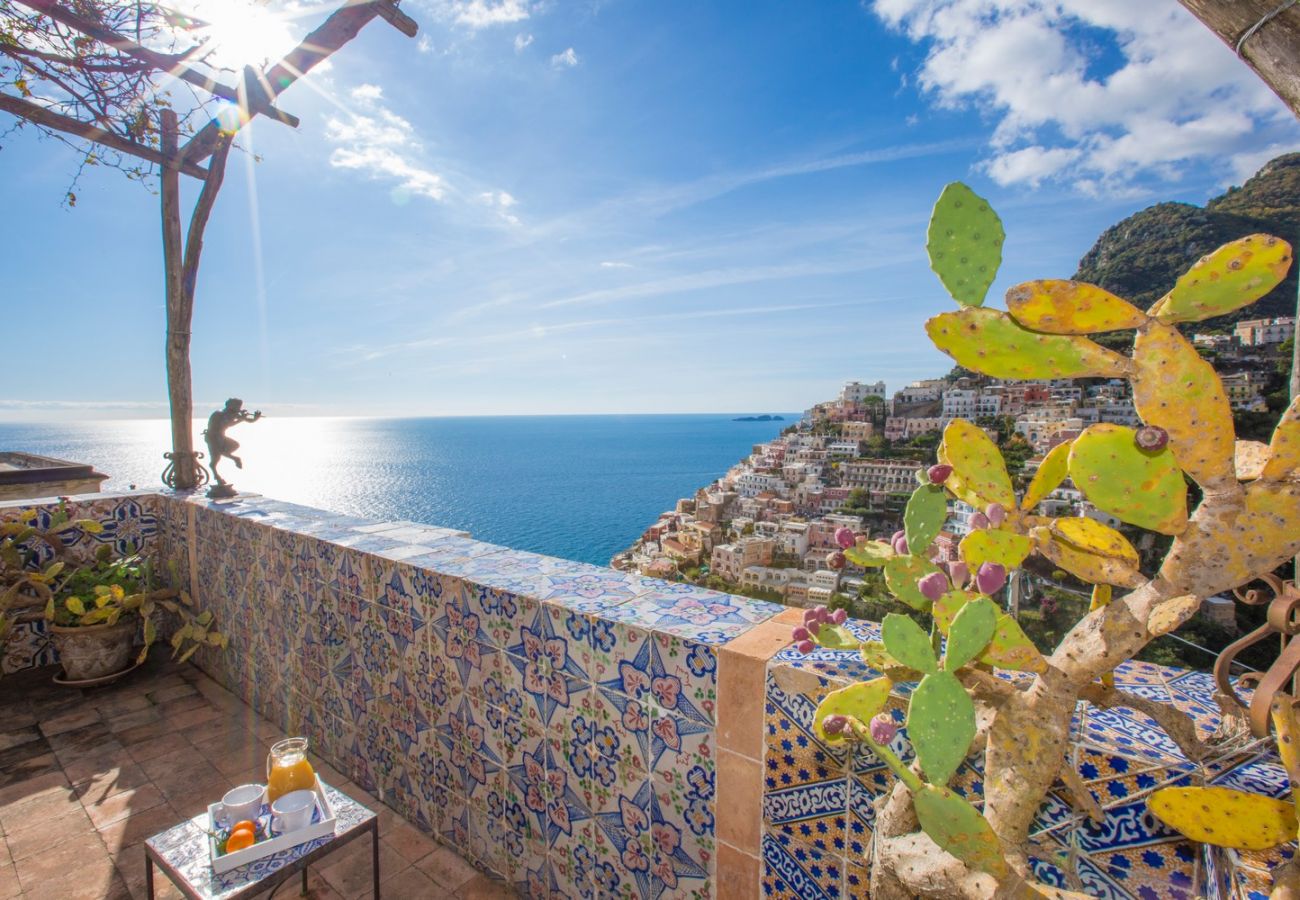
240	839
245	825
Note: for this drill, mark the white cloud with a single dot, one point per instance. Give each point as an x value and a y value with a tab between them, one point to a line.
378	142
476	14
522	41
614	264
566	60
502	202
1164	93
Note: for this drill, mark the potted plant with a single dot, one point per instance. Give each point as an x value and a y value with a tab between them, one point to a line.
27	584
96	611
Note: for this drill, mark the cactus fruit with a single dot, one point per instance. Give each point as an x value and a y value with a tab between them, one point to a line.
839	616
1141	488
979	475
859	701
978	521
869	554
1151	438
958	828
1004	547
958	573
907	643
883	728
996	513
940	724
901	576
992	343
1011	648
845	538
901	547
971	630
991	578
1284	448
805	647
923	518
1225	817
1051	472
938	473
1071	307
832	725
1177	390
1235	275
801	633
836	559
933	586
964	242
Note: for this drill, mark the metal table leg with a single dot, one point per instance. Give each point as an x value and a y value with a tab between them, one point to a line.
374	857
148	876
304	881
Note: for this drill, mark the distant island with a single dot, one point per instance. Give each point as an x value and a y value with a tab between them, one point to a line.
763	418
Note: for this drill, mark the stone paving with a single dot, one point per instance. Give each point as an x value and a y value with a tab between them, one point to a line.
87	775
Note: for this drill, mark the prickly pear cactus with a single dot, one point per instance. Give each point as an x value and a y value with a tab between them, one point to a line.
1247	523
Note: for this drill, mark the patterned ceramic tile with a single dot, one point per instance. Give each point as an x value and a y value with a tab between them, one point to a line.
795	871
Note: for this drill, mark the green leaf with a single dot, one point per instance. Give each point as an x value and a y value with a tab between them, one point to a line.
1235	275
1140	487
907	643
901	576
957	827
940	725
150	632
870	554
927	510
861	701
992	343
964	242
75	606
971	630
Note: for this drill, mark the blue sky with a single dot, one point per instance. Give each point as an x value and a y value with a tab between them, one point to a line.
548	207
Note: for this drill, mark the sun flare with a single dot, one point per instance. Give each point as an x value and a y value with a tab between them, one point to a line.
242	32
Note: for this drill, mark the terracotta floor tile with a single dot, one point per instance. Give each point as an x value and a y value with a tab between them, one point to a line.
159	746
351	879
80	718
137	827
39	834
124	803
410	843
141	734
146	715
172	692
52	778
86	856
48	804
109	780
18	736
447	868
484	888
413	884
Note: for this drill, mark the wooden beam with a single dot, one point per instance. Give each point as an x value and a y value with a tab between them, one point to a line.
47	118
177	343
344	24
1265	34
172	64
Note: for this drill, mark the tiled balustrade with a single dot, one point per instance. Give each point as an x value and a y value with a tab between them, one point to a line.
586	733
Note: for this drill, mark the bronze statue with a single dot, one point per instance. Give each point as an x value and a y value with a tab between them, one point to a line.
220	445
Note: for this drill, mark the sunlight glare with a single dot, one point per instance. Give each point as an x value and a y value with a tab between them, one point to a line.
242	32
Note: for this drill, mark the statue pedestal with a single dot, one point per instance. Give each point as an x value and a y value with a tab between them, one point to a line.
221	491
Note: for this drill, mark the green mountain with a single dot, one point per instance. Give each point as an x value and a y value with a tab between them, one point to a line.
1141	257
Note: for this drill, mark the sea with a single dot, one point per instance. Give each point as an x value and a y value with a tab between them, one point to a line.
577	487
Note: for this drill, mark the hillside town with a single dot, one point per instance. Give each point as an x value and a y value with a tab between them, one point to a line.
767	527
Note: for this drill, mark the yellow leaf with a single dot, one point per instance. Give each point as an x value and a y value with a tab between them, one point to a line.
1224	817
75	606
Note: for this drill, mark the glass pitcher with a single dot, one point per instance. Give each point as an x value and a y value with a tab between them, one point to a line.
287	769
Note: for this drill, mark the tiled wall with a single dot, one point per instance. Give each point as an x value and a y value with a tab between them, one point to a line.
586	733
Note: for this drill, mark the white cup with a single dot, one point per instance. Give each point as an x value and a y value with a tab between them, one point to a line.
293	811
243	802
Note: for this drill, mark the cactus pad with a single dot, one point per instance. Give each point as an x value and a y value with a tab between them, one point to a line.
927	510
979	475
1141	488
1235	275
1177	390
1051	472
870	554
1097	538
940	725
947	607
837	637
907	643
964	241
1087	566
901	575
1224	817
876	656
1250	459
1169	615
1011	648
1071	307
958	828
991	342
1284	448
1260	539
860	701
970	632
1006	548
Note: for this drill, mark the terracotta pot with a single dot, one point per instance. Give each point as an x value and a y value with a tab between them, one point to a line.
93	651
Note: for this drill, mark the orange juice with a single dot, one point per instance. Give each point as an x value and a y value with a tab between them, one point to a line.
287	769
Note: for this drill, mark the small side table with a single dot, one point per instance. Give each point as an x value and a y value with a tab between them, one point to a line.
181	852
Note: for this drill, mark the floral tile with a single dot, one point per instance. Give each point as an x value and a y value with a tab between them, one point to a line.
475	763
685	801
445	551
404	714
794	871
1165	871
695	665
501	612
550	675
458	634
590	591
705	608
552	804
